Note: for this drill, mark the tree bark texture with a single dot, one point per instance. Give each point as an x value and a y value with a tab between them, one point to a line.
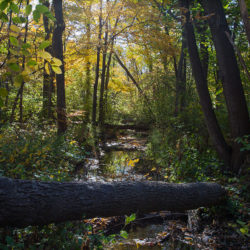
231	81
25	202
245	17
57	45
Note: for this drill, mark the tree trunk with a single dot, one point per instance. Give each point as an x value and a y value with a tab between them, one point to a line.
23	66
57	45
202	89
47	76
180	77
245	17
25	202
231	81
94	106
134	82
87	101
103	77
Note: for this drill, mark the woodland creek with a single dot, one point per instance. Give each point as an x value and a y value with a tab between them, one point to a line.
122	158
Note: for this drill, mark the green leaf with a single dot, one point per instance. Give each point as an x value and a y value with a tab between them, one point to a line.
124	234
23	19
31	63
244	230
3	92
42	8
17	19
3	5
14	52
28	9
18	80
57	70
14	41
50	16
36	15
14	67
3	17
14	7
44	45
129	219
26	46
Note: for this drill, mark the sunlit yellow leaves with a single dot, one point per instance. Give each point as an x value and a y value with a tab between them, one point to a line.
15	28
57	70
132	163
47	68
25	75
56	62
45	55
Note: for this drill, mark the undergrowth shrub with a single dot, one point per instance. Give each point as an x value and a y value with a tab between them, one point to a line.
182	159
37	154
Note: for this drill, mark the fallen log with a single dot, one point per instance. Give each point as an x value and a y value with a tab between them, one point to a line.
127	126
25	202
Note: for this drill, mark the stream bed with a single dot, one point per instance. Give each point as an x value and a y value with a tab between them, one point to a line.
122	159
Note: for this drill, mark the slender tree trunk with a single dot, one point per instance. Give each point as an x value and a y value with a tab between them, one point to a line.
131	77
245	17
94	106
57	46
112	41
180	77
26	203
202	89
47	76
231	81
103	77
23	66
88	77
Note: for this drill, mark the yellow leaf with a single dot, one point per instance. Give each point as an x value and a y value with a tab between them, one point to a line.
131	163
166	176
25	75
57	62
153	169
136	160
47	68
15	28
57	70
14	34
45	55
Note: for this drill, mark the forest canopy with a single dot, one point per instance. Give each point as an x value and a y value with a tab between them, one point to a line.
75	74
